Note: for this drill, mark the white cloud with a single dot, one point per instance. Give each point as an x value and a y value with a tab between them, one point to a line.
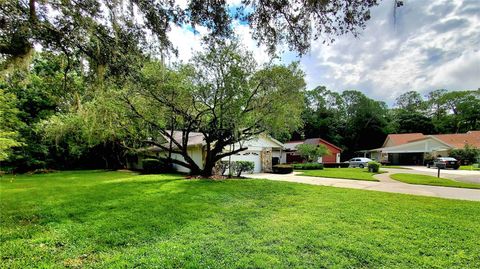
431	46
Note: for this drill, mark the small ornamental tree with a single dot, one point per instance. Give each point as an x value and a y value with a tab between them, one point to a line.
311	153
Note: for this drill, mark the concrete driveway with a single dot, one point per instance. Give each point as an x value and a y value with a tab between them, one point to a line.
386	185
459	175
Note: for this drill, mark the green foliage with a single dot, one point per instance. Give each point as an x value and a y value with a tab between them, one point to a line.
110	42
312	152
282	169
153	166
221	94
308	166
238	167
336	165
467	155
9	125
374	167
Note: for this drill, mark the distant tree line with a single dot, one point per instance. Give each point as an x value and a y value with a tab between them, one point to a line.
354	122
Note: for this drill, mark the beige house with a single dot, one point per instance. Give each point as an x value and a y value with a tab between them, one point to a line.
413	148
263	151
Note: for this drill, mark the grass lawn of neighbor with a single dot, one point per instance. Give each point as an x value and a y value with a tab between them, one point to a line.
396	167
347	173
431	180
96	219
469	167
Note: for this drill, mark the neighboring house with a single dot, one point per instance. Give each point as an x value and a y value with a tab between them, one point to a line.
262	150
412	148
291	155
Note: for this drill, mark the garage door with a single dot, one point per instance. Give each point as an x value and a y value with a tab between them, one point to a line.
251	156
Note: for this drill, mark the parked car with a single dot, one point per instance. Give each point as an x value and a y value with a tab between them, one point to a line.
444	162
359	162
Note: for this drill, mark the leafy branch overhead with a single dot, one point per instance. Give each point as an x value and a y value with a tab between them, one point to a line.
95	27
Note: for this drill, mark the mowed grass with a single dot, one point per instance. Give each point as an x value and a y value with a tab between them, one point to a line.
347	173
396	167
97	219
431	180
469	167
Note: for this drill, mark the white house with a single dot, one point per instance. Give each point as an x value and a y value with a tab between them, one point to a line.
263	150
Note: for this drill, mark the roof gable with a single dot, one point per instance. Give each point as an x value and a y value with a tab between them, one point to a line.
400	139
313	141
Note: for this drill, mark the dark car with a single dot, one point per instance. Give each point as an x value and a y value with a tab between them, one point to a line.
444	162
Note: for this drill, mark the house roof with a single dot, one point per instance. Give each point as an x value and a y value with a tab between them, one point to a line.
313	141
471	138
194	138
400	139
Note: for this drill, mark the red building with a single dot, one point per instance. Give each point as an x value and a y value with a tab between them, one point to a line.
291	155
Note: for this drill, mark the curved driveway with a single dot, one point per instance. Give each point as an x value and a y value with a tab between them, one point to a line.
386	185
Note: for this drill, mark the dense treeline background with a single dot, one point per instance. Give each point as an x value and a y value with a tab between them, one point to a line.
355	122
61	121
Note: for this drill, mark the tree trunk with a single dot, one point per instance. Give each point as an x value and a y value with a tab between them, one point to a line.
208	168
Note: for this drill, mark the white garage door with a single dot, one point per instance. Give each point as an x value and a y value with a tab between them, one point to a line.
251	156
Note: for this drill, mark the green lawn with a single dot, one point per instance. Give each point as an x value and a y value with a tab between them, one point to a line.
396	167
99	219
347	173
431	180
469	167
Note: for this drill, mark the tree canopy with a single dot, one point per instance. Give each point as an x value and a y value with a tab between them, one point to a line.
225	96
104	30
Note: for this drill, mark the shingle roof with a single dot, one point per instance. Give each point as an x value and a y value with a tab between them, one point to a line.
194	138
471	138
313	141
400	139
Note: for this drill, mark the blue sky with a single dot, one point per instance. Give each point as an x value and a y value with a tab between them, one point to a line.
432	45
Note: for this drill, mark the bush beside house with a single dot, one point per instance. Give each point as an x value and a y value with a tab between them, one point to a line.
282	169
373	167
308	166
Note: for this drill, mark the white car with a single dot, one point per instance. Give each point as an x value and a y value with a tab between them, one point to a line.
359	162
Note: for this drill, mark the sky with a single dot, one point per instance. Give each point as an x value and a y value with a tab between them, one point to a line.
430	45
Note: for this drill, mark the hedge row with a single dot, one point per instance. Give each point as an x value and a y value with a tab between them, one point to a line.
308	166
282	169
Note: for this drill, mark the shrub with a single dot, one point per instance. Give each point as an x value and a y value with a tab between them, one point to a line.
467	155
153	166
282	169
221	167
242	166
374	167
308	166
336	165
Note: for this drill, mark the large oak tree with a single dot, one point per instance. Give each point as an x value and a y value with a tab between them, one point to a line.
223	94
